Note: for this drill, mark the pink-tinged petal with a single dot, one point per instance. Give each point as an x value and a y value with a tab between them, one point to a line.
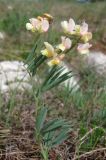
34	22
68	43
84	48
84	28
71	25
45	25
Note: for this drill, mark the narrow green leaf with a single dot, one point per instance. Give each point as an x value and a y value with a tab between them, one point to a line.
49	123
55	83
65	137
50	74
41	116
54	126
62	136
56	75
48	137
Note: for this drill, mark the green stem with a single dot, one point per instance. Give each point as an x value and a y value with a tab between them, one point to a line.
44	152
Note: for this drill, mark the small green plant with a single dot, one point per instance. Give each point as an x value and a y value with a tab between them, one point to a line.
49	134
91	138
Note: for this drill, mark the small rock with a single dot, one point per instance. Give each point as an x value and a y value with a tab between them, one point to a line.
97	61
10	7
13	74
2	35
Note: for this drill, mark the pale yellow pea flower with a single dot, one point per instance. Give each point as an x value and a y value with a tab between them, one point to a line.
68	26
66	44
56	60
49	51
38	24
85	35
79	30
84	48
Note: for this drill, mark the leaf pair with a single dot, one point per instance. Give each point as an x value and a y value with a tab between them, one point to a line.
55	77
53	132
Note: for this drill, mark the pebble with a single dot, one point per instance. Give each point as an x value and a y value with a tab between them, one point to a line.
13	74
97	62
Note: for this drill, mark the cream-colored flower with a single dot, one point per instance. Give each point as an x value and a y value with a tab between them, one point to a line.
84	48
56	61
85	35
49	51
78	30
66	44
38	24
68	26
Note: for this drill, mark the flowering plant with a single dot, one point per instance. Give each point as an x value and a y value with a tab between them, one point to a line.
54	132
